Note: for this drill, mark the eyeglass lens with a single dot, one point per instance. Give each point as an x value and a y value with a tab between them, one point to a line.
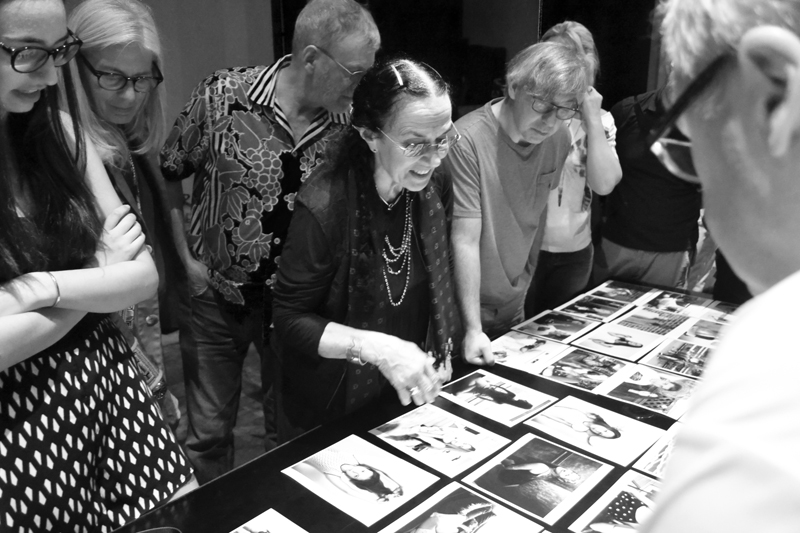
29	59
414	150
115	82
562	113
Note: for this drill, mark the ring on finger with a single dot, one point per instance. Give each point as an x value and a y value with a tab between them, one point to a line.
413	390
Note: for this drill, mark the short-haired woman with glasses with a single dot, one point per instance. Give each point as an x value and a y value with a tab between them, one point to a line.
123	109
82	445
363	302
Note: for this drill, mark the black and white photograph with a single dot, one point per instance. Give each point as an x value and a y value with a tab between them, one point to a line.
443	441
539	477
652	389
704	332
589	427
654	460
457	509
524	352
582	369
595	308
360	479
679	357
556	326
621	291
626	506
497	398
723	307
270	521
652	320
676	302
620	341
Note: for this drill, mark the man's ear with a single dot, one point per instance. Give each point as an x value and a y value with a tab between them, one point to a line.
309	55
769	57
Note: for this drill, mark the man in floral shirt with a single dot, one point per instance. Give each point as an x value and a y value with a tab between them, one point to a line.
251	136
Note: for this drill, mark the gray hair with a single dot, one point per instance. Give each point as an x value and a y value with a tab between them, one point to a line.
576	34
322	22
547	70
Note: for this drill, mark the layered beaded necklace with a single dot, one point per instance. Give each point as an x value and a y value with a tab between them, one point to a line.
392	255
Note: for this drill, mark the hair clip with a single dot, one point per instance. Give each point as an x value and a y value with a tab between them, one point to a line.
397	74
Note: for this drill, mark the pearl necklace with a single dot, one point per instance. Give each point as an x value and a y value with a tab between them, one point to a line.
402	254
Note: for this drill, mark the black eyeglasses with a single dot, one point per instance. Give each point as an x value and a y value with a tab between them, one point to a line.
352	74
666	141
29	59
544	107
418	149
112	81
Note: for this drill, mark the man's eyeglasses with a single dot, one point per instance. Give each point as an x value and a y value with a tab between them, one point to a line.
543	107
418	149
666	141
111	81
27	59
352	74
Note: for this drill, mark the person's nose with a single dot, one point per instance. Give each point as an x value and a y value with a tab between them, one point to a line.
48	72
127	93
549	118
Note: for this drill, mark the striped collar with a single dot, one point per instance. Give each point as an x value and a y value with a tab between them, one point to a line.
263	93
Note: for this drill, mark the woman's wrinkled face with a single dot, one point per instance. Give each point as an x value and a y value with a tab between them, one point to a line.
414	121
358	472
118	107
41	23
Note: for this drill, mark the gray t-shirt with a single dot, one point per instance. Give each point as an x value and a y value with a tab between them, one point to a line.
507	185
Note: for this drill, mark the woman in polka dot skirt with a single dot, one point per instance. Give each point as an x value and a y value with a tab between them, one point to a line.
82	445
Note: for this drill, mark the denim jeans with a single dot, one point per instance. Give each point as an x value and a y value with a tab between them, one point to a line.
558	278
213	378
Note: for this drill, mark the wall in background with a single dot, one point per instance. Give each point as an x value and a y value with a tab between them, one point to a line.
509	24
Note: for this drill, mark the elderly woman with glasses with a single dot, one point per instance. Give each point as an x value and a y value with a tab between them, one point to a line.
83	445
122	106
363	301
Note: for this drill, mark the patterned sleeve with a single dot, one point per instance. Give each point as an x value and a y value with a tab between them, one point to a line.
187	145
610	128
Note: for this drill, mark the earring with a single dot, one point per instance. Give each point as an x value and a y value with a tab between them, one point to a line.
374	150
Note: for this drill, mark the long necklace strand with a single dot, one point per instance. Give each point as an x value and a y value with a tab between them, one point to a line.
401	254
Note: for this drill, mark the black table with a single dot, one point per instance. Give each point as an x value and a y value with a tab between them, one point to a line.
231	500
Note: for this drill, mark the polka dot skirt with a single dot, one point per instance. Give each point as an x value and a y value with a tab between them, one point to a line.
82	444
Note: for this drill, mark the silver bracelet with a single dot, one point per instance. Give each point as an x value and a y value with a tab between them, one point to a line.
58	289
354	354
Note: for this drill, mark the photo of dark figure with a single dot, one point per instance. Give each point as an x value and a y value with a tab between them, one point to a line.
557	326
540	477
462	511
620	291
676	302
582	369
481	388
680	357
659	391
594	308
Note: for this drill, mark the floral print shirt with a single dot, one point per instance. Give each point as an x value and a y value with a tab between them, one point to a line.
235	139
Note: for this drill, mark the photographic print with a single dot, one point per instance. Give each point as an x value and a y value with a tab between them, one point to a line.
560	327
582	369
623	292
539	477
497	398
595	308
270	521
360	479
626	506
457	509
589	427
655	459
723	307
676	302
619	341
524	352
652	320
703	332
679	357
440	440
652	389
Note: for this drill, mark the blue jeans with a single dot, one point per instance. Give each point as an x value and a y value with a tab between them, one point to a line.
558	278
213	378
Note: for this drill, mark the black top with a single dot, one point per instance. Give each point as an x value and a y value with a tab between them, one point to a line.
650	209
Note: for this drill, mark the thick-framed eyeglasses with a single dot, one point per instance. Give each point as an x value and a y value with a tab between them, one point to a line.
27	59
418	149
112	81
353	74
544	107
670	146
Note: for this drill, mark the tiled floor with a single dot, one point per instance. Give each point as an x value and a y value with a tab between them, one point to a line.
249	431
